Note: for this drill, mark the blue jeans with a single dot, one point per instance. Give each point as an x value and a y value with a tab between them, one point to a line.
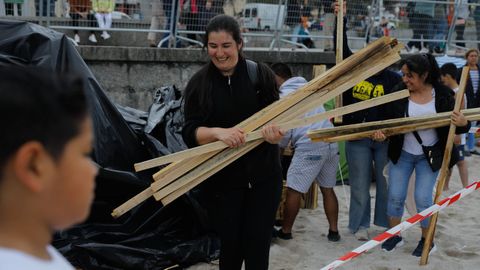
440	28
471	139
364	158
399	176
422	26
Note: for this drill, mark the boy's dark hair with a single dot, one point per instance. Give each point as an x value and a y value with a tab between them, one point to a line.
449	69
282	70
36	105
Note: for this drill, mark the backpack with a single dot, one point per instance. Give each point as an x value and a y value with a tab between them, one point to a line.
252	71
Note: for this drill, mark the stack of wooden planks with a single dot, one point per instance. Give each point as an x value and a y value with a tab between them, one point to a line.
388	127
179	177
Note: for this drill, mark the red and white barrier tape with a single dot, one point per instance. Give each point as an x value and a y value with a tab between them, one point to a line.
403	226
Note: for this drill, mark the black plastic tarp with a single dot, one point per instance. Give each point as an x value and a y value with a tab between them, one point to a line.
149	236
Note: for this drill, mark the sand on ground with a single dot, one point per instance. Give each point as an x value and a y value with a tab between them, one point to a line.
457	237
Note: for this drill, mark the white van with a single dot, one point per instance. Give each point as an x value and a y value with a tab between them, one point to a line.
263	16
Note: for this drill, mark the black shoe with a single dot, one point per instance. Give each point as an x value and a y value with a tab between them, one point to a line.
285	236
392	243
475	152
418	250
333	236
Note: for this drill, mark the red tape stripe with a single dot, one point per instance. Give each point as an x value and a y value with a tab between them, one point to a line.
383	236
415	218
349	256
455	198
442	202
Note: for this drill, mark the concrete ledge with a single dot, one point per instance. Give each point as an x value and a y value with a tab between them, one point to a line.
184	55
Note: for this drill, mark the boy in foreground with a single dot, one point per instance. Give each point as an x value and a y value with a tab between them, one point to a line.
46	174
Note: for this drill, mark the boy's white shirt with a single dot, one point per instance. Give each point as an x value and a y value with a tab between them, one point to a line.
298	136
11	259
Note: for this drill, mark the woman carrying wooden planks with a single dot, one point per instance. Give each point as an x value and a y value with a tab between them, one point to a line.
242	198
428	95
366	158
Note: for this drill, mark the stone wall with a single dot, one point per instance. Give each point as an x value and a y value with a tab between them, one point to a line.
130	75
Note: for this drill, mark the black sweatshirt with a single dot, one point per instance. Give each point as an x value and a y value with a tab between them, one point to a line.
234	99
380	84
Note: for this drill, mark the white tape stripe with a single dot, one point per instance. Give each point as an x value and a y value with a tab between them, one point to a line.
405	224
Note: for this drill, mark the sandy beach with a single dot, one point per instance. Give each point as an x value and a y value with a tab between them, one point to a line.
457	238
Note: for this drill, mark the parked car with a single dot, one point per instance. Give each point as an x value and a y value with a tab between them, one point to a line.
258	16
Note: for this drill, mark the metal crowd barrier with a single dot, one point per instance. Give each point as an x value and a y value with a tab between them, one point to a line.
423	25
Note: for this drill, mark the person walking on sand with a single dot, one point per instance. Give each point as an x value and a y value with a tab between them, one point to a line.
311	162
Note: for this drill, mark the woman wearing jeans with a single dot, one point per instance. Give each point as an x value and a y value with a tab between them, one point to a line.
366	158
427	96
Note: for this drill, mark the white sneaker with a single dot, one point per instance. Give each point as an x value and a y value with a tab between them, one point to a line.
92	38
105	35
76	38
362	235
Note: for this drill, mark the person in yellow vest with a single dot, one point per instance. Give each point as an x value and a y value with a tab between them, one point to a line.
103	12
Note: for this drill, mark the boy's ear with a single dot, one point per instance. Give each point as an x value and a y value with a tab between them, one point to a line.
32	164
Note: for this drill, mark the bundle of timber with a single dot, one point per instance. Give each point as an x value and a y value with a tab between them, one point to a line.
181	176
388	127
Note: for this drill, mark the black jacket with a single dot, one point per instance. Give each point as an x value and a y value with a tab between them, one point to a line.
233	100
473	101
380	84
444	101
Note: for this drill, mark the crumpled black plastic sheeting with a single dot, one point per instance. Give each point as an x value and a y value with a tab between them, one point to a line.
157	243
165	118
148	237
162	124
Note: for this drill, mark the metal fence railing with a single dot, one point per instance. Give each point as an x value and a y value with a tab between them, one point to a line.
424	25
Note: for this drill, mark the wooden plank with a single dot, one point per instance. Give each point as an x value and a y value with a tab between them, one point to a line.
339	54
444	169
277	108
392	130
127	206
345	110
309	199
329	133
318	70
348	80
